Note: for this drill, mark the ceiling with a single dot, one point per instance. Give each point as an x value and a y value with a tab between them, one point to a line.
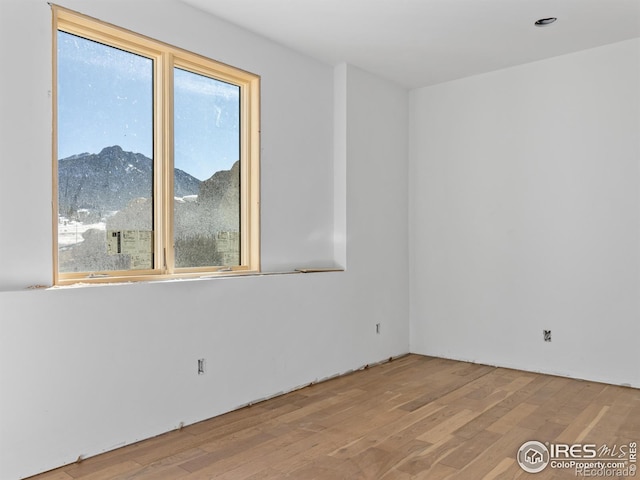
424	42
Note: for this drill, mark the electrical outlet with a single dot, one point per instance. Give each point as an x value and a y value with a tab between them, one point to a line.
202	366
546	335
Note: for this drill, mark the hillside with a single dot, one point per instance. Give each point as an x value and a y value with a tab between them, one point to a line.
109	180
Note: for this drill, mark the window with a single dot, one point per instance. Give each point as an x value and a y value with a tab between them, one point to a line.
156	158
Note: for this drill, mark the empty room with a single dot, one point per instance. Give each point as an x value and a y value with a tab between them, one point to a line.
319	239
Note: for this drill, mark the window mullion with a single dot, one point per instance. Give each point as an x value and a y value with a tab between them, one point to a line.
166	141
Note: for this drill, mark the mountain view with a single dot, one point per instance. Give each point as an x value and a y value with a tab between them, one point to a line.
111	191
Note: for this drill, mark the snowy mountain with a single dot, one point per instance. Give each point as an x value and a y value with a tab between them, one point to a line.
112	190
109	180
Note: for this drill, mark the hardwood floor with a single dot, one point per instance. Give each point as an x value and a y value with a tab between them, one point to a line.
413	418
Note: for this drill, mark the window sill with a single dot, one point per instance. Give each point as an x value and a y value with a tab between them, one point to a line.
106	281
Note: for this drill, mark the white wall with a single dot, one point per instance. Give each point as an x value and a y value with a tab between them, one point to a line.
524	216
84	370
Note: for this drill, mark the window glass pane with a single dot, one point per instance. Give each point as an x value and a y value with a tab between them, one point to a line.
207	171
105	151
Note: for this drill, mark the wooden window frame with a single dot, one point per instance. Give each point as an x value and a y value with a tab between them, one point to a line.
165	57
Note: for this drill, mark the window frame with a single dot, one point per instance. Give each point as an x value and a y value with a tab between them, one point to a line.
165	57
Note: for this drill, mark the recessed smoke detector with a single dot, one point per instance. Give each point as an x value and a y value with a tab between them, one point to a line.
545	22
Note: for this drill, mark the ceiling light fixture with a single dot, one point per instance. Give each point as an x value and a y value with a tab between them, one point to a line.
544	22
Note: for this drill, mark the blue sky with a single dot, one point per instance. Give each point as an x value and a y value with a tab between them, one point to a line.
105	98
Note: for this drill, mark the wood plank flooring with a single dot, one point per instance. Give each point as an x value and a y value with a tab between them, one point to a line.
412	418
